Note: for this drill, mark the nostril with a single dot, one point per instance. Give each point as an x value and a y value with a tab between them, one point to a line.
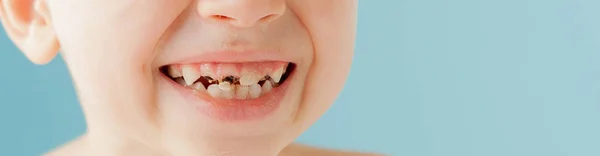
221	18
243	22
268	18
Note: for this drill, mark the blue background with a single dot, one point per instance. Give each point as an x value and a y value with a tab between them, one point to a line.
464	78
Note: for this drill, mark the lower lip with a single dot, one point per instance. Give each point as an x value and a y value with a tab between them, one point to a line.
233	109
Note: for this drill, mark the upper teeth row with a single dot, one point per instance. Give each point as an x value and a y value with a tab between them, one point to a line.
191	75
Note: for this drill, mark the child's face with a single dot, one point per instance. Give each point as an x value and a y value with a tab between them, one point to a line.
143	69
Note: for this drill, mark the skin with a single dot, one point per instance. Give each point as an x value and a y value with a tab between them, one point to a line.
113	49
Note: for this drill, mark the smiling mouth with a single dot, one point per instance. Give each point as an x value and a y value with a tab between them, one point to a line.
231	81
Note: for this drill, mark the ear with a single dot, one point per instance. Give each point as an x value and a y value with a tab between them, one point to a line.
28	24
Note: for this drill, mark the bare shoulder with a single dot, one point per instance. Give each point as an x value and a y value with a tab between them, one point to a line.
73	148
303	150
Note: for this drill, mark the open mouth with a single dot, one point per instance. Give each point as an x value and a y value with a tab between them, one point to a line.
231	81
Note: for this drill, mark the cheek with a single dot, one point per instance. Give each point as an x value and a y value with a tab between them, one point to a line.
109	53
332	26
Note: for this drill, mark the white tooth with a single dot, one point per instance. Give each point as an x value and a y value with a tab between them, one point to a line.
227	69
198	87
214	90
174	72
190	74
248	79
267	87
254	90
225	86
242	92
228	94
276	76
205	70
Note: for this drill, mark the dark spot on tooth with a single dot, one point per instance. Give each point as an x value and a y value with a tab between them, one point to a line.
267	77
229	79
236	80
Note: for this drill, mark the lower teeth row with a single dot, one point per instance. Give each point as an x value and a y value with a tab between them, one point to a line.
227	90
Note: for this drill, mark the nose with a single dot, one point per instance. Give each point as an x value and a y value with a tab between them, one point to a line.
241	13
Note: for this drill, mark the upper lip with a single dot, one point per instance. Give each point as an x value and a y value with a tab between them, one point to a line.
233	57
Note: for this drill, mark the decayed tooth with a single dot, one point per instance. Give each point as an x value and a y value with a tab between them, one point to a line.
198	87
190	74
174	72
242	92
254	90
225	86
267	87
226	69
248	79
214	90
209	79
276	76
228	94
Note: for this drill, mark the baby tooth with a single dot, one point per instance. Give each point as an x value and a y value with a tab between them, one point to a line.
276	76
206	70
249	79
190	74
254	90
227	69
267	87
198	87
214	90
242	92
174	72
228	94
225	86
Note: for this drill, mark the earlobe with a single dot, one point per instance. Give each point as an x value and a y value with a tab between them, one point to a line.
28	24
